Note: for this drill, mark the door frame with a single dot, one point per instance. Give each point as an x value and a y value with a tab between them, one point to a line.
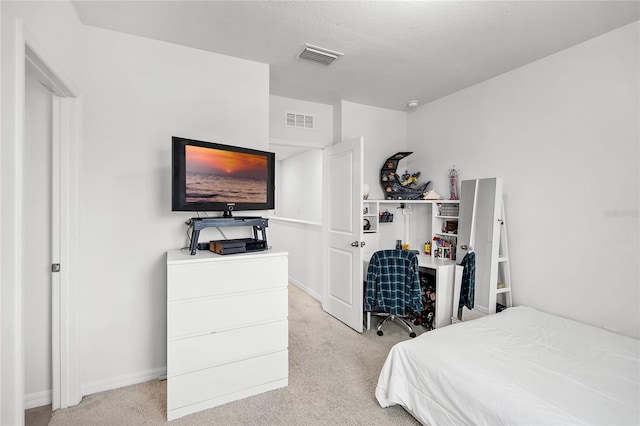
22	46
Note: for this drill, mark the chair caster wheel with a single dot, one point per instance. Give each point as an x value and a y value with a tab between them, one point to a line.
380	333
412	334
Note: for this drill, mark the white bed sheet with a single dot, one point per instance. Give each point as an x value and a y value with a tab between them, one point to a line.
519	367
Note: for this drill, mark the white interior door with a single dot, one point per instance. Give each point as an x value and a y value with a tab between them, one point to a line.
342	219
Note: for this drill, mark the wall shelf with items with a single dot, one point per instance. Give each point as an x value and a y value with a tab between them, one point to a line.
386	211
444	226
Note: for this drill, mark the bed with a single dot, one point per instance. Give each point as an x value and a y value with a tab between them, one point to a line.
518	367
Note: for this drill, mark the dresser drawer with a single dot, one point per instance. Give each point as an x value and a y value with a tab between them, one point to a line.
187	281
226	379
196	353
218	314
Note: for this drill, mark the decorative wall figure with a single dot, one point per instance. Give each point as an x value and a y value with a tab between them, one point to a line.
397	187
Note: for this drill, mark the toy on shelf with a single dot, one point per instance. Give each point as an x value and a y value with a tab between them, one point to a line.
396	187
431	195
453	178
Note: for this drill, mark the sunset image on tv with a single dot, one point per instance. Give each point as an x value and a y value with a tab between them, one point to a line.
213	175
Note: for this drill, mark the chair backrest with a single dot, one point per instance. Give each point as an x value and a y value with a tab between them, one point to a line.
401	260
393	283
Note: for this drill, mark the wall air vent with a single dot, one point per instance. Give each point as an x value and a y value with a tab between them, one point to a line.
299	120
319	55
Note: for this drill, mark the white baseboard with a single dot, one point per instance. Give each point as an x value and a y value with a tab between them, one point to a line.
482	309
38	399
305	289
122	381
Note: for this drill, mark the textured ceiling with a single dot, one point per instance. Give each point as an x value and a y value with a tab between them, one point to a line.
394	51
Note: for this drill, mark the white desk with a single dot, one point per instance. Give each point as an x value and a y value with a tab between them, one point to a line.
445	273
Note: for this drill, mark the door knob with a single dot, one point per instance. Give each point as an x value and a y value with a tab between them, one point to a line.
355	244
362	243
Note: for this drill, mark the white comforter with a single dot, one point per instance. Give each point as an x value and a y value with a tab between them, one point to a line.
519	367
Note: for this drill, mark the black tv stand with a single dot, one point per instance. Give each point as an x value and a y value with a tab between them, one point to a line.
197	224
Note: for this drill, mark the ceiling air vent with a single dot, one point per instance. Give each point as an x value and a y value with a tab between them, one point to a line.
299	120
319	55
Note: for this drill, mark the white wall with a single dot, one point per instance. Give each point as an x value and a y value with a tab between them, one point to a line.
297	227
138	93
299	168
300	184
56	28
304	244
563	134
385	133
36	215
322	132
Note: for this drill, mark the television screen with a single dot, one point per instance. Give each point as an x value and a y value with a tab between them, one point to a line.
214	177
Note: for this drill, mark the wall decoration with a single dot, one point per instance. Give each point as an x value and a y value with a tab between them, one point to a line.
400	187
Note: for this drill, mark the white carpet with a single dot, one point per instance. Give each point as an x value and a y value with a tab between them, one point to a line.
333	372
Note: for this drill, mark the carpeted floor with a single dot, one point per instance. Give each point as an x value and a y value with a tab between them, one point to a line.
333	372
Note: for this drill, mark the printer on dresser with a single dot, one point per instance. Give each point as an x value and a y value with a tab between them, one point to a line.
227	329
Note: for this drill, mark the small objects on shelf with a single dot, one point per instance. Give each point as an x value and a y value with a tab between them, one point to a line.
427	248
434	247
453	178
450	227
443	249
431	195
386	216
365	191
429	302
426	317
448	209
409	179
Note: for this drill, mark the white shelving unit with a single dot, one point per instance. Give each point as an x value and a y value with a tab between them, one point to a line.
370	216
444	226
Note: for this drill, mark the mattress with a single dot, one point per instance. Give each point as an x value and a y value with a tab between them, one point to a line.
518	367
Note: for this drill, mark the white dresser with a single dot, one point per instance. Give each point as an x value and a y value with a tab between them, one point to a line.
227	330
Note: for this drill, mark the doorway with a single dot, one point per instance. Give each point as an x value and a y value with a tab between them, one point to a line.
48	180
37	235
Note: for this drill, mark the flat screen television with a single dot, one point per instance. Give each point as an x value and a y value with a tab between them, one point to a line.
210	176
